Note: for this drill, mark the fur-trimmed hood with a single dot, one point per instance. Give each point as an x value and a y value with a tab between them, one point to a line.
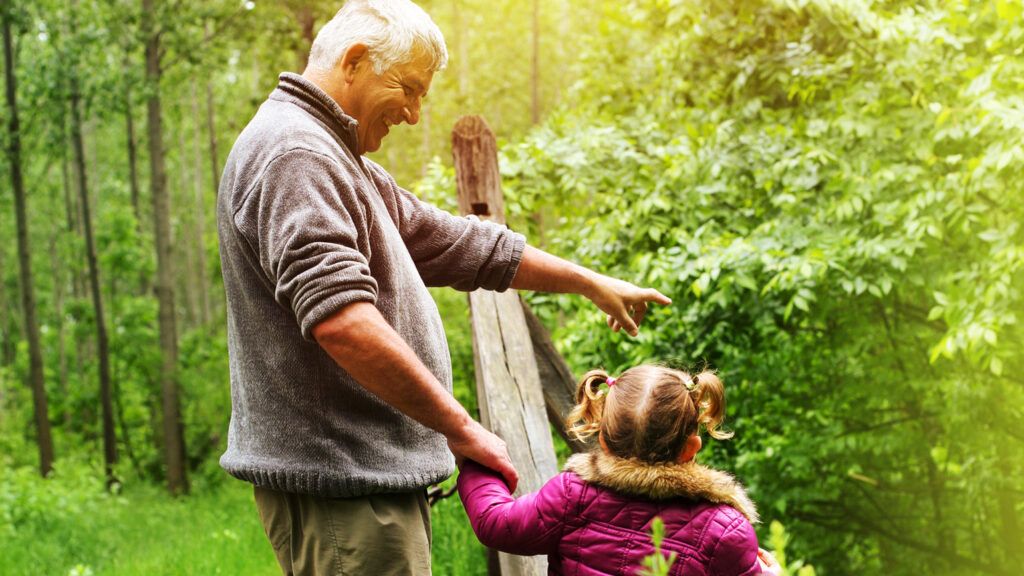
662	481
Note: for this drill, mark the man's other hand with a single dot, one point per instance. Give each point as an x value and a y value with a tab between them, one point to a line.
476	443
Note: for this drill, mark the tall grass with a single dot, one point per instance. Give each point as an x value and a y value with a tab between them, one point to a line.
69	526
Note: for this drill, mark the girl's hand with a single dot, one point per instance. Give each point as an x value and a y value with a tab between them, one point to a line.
474	442
769	565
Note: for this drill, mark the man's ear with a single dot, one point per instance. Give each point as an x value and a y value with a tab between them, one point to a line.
690	449
356	56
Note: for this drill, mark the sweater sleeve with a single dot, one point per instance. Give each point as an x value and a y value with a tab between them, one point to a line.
306	225
735	553
462	252
528	525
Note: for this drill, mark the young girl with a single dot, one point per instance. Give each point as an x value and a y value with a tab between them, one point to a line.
595	518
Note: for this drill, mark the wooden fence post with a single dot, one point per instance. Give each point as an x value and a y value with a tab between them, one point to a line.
556	378
508	384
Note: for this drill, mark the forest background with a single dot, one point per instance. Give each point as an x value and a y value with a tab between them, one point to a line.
831	191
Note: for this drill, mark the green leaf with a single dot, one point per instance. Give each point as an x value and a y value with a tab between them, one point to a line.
801	304
1009	10
996	366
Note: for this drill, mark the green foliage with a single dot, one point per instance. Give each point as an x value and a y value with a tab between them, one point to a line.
778	539
658	564
830	192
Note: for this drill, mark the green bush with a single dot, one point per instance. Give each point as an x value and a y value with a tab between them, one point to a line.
831	193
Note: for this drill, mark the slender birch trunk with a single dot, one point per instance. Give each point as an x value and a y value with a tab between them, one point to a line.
173	437
186	248
133	154
202	285
28	298
102	343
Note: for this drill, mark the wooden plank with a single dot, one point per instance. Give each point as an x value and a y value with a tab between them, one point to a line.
556	378
508	383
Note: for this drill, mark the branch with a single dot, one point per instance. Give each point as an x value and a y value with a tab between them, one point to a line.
886	424
851	521
218	29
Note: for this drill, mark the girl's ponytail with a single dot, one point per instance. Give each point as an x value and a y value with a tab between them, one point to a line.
709	398
584	420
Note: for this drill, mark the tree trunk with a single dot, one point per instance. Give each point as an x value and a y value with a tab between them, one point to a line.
133	160
74	221
211	128
174	442
6	337
307	22
28	298
6	333
71	213
103	346
116	380
58	305
7	345
187	247
202	285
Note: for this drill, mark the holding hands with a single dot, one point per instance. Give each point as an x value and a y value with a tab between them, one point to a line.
769	565
474	442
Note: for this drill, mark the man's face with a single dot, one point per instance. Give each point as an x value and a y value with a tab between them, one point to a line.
379	102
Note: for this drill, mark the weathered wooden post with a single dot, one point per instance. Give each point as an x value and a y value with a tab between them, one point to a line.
508	385
556	378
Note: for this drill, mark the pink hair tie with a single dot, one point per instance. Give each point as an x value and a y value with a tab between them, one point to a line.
610	381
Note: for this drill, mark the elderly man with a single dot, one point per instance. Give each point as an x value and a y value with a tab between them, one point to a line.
342	410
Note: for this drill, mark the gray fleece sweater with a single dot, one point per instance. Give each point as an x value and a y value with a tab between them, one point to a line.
307	227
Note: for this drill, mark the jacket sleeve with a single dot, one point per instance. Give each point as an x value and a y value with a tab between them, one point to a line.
308	229
528	525
735	553
462	252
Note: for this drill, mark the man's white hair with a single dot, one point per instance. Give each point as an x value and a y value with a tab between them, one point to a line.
389	28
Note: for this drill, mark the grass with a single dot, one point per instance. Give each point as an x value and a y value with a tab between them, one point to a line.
68	526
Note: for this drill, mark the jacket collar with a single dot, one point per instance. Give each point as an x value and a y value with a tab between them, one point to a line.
662	481
295	89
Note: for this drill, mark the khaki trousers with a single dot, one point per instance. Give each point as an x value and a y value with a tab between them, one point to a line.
385	534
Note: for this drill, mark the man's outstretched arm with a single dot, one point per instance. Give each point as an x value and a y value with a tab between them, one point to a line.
624	303
362	342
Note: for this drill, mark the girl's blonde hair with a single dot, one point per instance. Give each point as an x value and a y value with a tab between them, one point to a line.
649	412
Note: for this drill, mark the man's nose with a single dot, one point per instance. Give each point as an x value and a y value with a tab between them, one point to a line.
411	112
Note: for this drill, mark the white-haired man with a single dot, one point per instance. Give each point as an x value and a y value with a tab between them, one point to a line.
342	410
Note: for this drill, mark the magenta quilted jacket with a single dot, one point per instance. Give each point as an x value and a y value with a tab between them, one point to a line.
595	518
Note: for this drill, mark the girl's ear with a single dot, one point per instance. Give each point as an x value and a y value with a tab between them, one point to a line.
600	440
690	449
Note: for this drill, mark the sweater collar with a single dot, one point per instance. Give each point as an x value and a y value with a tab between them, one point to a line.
634	477
295	89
